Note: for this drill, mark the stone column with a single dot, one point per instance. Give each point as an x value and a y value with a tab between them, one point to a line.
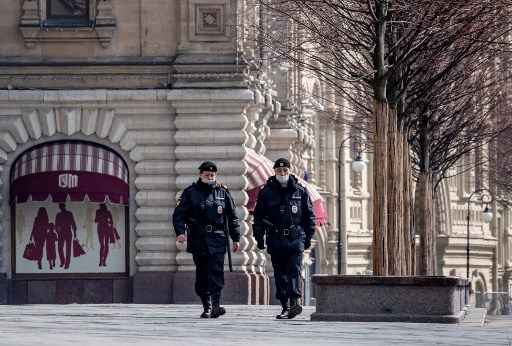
210	125
257	259
156	190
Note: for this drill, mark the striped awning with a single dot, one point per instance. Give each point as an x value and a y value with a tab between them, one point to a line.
261	168
69	171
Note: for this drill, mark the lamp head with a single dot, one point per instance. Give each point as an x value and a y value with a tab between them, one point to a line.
358	164
487	215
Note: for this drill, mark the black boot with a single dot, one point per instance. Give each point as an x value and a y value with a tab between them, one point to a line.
207	306
217	310
295	308
285	311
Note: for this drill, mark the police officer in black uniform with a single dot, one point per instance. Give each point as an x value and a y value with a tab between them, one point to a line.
204	216
285	216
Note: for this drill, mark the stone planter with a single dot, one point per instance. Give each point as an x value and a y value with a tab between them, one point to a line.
435	299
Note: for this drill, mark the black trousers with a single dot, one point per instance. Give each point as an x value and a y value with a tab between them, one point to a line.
209	274
287	266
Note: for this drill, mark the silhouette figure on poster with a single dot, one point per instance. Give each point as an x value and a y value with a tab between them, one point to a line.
105	231
51	240
38	235
66	229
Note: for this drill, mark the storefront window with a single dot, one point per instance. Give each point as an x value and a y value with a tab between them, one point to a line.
69	202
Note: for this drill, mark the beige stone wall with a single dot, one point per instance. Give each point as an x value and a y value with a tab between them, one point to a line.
144	28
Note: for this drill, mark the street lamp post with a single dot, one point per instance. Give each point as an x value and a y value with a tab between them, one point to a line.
487	216
357	166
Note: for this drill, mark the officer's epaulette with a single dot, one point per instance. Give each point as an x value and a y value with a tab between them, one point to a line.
300	185
222	186
190	187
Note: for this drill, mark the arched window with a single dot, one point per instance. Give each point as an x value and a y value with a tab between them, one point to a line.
69	204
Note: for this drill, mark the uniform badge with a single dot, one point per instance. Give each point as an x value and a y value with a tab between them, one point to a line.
178	202
295	209
219	209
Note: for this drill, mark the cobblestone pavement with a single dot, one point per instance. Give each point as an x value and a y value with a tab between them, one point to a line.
113	325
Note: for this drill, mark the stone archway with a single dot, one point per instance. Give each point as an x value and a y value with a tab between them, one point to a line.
64	196
140	127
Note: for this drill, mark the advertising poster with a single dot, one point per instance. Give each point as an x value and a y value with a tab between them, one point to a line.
70	237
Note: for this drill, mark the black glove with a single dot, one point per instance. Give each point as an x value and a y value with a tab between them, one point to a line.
307	244
261	244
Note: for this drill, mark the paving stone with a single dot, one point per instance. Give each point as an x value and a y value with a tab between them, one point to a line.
119	324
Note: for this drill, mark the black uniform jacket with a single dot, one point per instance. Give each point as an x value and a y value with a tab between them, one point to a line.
202	212
284	208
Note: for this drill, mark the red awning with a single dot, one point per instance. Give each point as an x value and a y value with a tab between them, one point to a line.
261	168
72	171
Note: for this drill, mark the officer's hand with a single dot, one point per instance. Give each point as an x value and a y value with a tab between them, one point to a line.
236	246
181	238
307	244
261	244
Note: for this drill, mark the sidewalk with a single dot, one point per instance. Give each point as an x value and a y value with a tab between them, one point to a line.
116	325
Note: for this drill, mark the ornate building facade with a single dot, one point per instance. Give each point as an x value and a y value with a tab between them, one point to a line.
133	95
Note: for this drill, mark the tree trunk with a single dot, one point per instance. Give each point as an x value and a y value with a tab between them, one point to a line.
409	239
380	142
424	222
395	191
380	187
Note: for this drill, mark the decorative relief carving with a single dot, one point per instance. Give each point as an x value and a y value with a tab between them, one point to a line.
30	13
208	20
35	29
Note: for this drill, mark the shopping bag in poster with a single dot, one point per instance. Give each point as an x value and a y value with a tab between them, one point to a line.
113	236
30	252
77	249
116	234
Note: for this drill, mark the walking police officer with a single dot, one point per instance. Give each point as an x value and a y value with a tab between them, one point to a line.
285	216
204	216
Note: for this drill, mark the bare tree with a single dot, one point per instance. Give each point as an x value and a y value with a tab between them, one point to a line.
449	122
385	48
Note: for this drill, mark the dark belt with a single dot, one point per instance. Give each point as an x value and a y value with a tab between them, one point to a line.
290	232
214	229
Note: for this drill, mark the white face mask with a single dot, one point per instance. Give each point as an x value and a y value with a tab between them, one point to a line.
208	181
283	179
